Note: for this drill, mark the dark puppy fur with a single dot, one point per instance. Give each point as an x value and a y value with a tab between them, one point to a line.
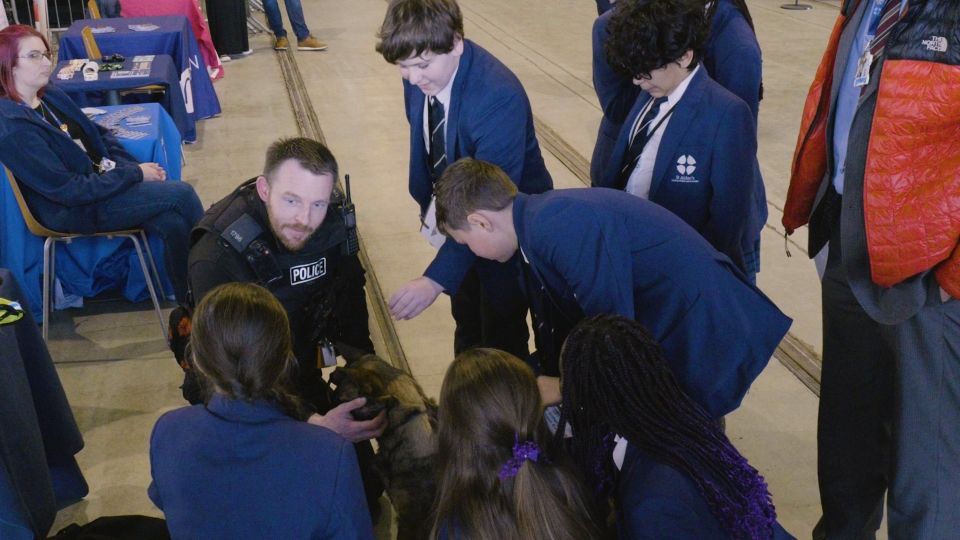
408	446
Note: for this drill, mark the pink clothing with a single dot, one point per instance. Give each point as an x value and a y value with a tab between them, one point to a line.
189	9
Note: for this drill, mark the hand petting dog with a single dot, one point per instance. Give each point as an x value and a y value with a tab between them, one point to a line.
340	421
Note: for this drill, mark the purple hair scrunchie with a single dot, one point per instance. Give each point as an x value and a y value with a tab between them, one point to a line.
521	452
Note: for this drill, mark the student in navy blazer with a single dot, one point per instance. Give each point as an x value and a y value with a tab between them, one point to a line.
487	116
638	437
731	57
244	465
699	155
591	251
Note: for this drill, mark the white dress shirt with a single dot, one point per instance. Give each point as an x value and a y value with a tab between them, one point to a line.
642	176
444	97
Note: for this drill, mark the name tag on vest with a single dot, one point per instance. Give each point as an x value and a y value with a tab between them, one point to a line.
306	273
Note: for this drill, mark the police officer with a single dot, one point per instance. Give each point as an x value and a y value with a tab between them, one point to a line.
286	231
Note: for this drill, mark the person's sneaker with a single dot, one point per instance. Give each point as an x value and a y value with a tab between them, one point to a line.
225	58
281	44
311	44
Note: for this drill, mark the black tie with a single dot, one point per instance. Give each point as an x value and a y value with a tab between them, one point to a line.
640	139
436	123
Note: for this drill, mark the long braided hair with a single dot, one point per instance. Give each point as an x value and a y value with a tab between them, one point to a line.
616	381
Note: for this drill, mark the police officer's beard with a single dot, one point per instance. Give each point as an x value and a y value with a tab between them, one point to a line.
279	229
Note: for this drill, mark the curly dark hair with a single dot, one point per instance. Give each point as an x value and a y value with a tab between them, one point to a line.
644	35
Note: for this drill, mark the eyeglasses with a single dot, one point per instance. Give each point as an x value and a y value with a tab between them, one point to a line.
35	56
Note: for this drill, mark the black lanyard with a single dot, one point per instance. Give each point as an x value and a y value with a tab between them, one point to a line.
657	126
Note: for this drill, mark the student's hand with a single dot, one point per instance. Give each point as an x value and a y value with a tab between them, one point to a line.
339	421
414	297
549	390
153	172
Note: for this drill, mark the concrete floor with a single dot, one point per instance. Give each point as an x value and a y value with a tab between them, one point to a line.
119	382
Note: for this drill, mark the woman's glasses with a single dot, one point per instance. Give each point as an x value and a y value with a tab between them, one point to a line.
35	56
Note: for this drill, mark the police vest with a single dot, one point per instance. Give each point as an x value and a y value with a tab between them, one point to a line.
239	223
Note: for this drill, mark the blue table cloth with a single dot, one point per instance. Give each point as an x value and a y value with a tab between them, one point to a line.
38	434
89	266
162	72
173	37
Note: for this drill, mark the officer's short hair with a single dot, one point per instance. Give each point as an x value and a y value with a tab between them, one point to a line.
310	154
413	27
469	185
644	35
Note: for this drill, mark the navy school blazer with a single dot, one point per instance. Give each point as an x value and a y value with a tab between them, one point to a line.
57	178
605	251
704	168
234	469
489	119
732	58
657	502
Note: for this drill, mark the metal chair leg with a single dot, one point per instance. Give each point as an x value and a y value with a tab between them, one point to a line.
149	279
153	265
47	284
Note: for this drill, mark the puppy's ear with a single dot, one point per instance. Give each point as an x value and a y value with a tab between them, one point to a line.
350	353
338	375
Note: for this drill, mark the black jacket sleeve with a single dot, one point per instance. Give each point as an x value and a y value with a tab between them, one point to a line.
351	305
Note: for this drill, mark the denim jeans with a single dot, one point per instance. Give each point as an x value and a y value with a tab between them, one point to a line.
167	209
109	8
294	13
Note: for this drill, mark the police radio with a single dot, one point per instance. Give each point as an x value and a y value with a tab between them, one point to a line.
349	213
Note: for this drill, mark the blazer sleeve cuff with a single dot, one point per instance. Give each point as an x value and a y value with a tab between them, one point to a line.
450	266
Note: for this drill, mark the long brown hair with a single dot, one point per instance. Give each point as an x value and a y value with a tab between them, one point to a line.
488	403
241	345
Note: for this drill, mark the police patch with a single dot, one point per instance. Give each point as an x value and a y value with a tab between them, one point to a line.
306	273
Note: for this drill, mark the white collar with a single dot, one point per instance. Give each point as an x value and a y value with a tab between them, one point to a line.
619	451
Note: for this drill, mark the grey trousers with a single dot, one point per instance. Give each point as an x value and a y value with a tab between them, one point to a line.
889	419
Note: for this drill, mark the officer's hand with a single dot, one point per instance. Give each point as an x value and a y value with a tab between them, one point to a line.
413	298
339	421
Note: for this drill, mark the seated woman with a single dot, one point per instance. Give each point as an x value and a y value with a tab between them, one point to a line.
673	473
75	176
496	477
245	465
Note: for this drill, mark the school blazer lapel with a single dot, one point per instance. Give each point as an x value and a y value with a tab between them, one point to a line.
681	120
454	152
418	148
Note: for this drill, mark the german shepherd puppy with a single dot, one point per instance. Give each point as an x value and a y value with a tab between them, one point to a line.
408	446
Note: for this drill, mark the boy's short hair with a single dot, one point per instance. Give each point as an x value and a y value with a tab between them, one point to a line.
413	27
469	185
644	35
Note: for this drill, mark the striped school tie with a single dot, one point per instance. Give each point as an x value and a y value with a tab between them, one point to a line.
436	122
888	17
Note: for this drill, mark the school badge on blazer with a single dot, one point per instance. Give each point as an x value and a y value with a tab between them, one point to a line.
686	167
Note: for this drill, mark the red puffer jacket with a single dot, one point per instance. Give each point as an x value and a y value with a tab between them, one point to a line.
912	179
